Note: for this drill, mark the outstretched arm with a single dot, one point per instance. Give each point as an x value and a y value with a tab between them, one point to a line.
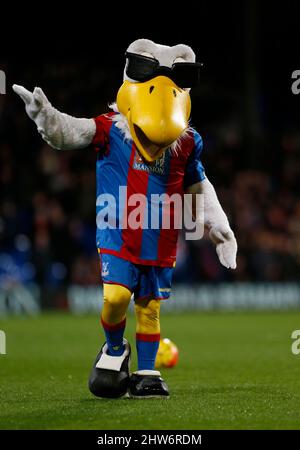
217	223
61	131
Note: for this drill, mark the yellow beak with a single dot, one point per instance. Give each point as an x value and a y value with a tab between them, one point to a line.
157	112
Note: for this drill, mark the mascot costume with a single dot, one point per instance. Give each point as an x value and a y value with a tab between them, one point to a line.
146	145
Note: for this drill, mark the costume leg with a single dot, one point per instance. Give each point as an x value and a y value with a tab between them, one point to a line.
109	377
147	382
116	299
147	332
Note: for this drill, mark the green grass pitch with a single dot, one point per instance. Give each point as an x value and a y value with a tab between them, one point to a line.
236	371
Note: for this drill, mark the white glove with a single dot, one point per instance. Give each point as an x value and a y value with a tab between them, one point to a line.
217	223
59	130
219	229
34	101
226	245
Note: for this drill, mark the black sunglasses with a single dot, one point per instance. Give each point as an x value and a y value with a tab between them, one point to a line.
143	68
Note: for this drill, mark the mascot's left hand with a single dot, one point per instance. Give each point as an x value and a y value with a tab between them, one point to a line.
226	245
215	220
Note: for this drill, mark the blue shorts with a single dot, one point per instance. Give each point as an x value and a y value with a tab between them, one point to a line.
142	281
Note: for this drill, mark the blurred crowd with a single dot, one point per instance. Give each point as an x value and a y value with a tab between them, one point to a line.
47	197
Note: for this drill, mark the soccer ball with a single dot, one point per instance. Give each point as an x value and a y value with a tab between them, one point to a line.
167	355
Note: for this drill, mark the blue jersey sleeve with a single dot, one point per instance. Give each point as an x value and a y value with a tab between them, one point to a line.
194	170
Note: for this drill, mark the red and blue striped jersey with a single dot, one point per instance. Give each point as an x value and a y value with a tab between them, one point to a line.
120	165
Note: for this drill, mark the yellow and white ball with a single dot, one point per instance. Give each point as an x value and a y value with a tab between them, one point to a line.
167	355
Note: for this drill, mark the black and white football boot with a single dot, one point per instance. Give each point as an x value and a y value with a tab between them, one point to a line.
109	377
147	384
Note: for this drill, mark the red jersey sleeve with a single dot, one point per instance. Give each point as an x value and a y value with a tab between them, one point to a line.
101	138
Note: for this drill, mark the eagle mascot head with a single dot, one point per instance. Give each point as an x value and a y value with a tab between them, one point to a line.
154	97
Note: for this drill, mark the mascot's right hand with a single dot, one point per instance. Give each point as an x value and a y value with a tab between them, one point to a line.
35	101
59	130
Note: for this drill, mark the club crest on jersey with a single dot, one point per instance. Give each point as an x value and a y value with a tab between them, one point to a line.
157	168
105	271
